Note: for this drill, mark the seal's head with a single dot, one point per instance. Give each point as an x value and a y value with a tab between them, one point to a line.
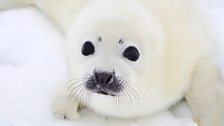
116	60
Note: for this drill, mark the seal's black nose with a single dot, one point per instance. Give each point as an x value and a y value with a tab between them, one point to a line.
104	78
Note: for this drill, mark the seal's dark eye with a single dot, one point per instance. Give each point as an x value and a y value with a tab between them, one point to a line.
131	53
88	48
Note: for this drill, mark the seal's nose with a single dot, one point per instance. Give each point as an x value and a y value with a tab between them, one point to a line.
104	78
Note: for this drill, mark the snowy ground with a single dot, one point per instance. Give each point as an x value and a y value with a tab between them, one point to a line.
31	64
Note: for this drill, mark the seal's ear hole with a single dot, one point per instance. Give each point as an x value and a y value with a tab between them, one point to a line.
88	48
131	53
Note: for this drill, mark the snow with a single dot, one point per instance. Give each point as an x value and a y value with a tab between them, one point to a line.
32	64
217	14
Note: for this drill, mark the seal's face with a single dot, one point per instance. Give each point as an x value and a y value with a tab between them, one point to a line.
105	81
116	59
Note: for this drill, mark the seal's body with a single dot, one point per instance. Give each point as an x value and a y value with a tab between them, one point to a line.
134	58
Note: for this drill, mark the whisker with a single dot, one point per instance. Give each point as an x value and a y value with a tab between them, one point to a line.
74	78
126	97
78	92
83	76
70	86
76	89
134	92
126	101
118	101
82	93
87	101
129	96
133	89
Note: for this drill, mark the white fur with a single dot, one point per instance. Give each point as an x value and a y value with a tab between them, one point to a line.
173	39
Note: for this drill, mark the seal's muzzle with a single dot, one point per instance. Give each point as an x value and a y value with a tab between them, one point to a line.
105	83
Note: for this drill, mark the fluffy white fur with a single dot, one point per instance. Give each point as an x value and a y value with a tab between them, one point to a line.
176	47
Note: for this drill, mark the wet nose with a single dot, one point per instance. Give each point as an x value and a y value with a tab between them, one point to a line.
104	78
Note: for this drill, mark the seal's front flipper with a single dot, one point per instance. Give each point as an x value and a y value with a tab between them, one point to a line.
206	94
66	109
65	106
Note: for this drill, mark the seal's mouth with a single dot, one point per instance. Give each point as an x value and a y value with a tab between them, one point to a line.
104	93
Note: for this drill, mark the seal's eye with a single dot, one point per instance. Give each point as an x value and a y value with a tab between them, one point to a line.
88	48
131	53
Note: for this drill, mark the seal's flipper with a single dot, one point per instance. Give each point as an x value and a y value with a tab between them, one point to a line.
206	94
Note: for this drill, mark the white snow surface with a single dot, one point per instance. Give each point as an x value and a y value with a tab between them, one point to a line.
32	63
